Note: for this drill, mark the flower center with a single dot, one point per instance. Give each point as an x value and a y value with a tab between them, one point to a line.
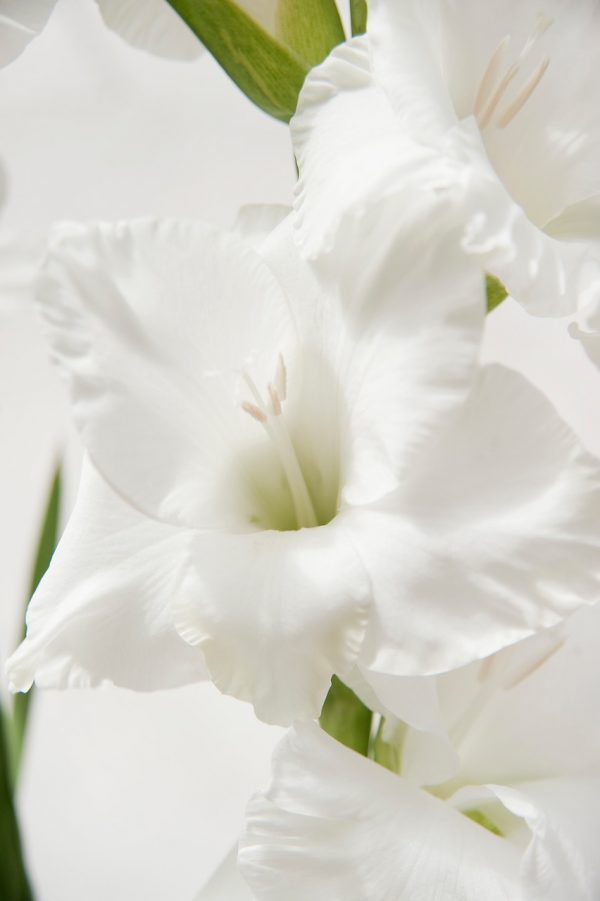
505	89
269	414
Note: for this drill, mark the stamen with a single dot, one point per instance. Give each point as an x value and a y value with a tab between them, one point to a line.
275	401
497	96
526	91
543	24
254	390
254	411
489	76
280	380
274	425
489	98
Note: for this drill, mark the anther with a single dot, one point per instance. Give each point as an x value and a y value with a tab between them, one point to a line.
489	76
254	411
523	96
497	96
275	400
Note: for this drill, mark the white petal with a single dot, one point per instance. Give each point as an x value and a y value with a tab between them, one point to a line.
353	155
578	221
495	535
370	196
404	354
414	364
338	827
543	722
226	884
428	757
560	860
429	58
151	25
20	22
102	612
152	324
550	277
276	614
404	40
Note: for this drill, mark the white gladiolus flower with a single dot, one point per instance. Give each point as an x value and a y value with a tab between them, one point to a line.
493	86
516	815
303	480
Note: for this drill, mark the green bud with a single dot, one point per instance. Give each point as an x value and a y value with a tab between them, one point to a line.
267	59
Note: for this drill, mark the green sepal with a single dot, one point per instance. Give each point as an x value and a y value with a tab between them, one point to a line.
46	544
345	717
358	16
269	68
495	292
311	28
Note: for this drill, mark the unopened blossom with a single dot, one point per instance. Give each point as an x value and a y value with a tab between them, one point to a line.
506	92
297	481
498	798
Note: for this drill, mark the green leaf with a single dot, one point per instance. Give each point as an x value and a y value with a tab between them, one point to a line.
46	544
312	28
14	885
269	73
495	292
358	16
345	717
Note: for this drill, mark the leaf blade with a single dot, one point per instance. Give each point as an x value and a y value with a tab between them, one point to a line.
48	538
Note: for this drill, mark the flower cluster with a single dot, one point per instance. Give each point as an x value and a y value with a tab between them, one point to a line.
297	466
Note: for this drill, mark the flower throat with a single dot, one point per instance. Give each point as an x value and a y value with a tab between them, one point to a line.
269	413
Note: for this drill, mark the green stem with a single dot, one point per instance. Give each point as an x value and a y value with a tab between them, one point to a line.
14	885
345	718
46	544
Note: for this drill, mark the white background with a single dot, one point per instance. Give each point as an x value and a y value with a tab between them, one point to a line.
129	797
